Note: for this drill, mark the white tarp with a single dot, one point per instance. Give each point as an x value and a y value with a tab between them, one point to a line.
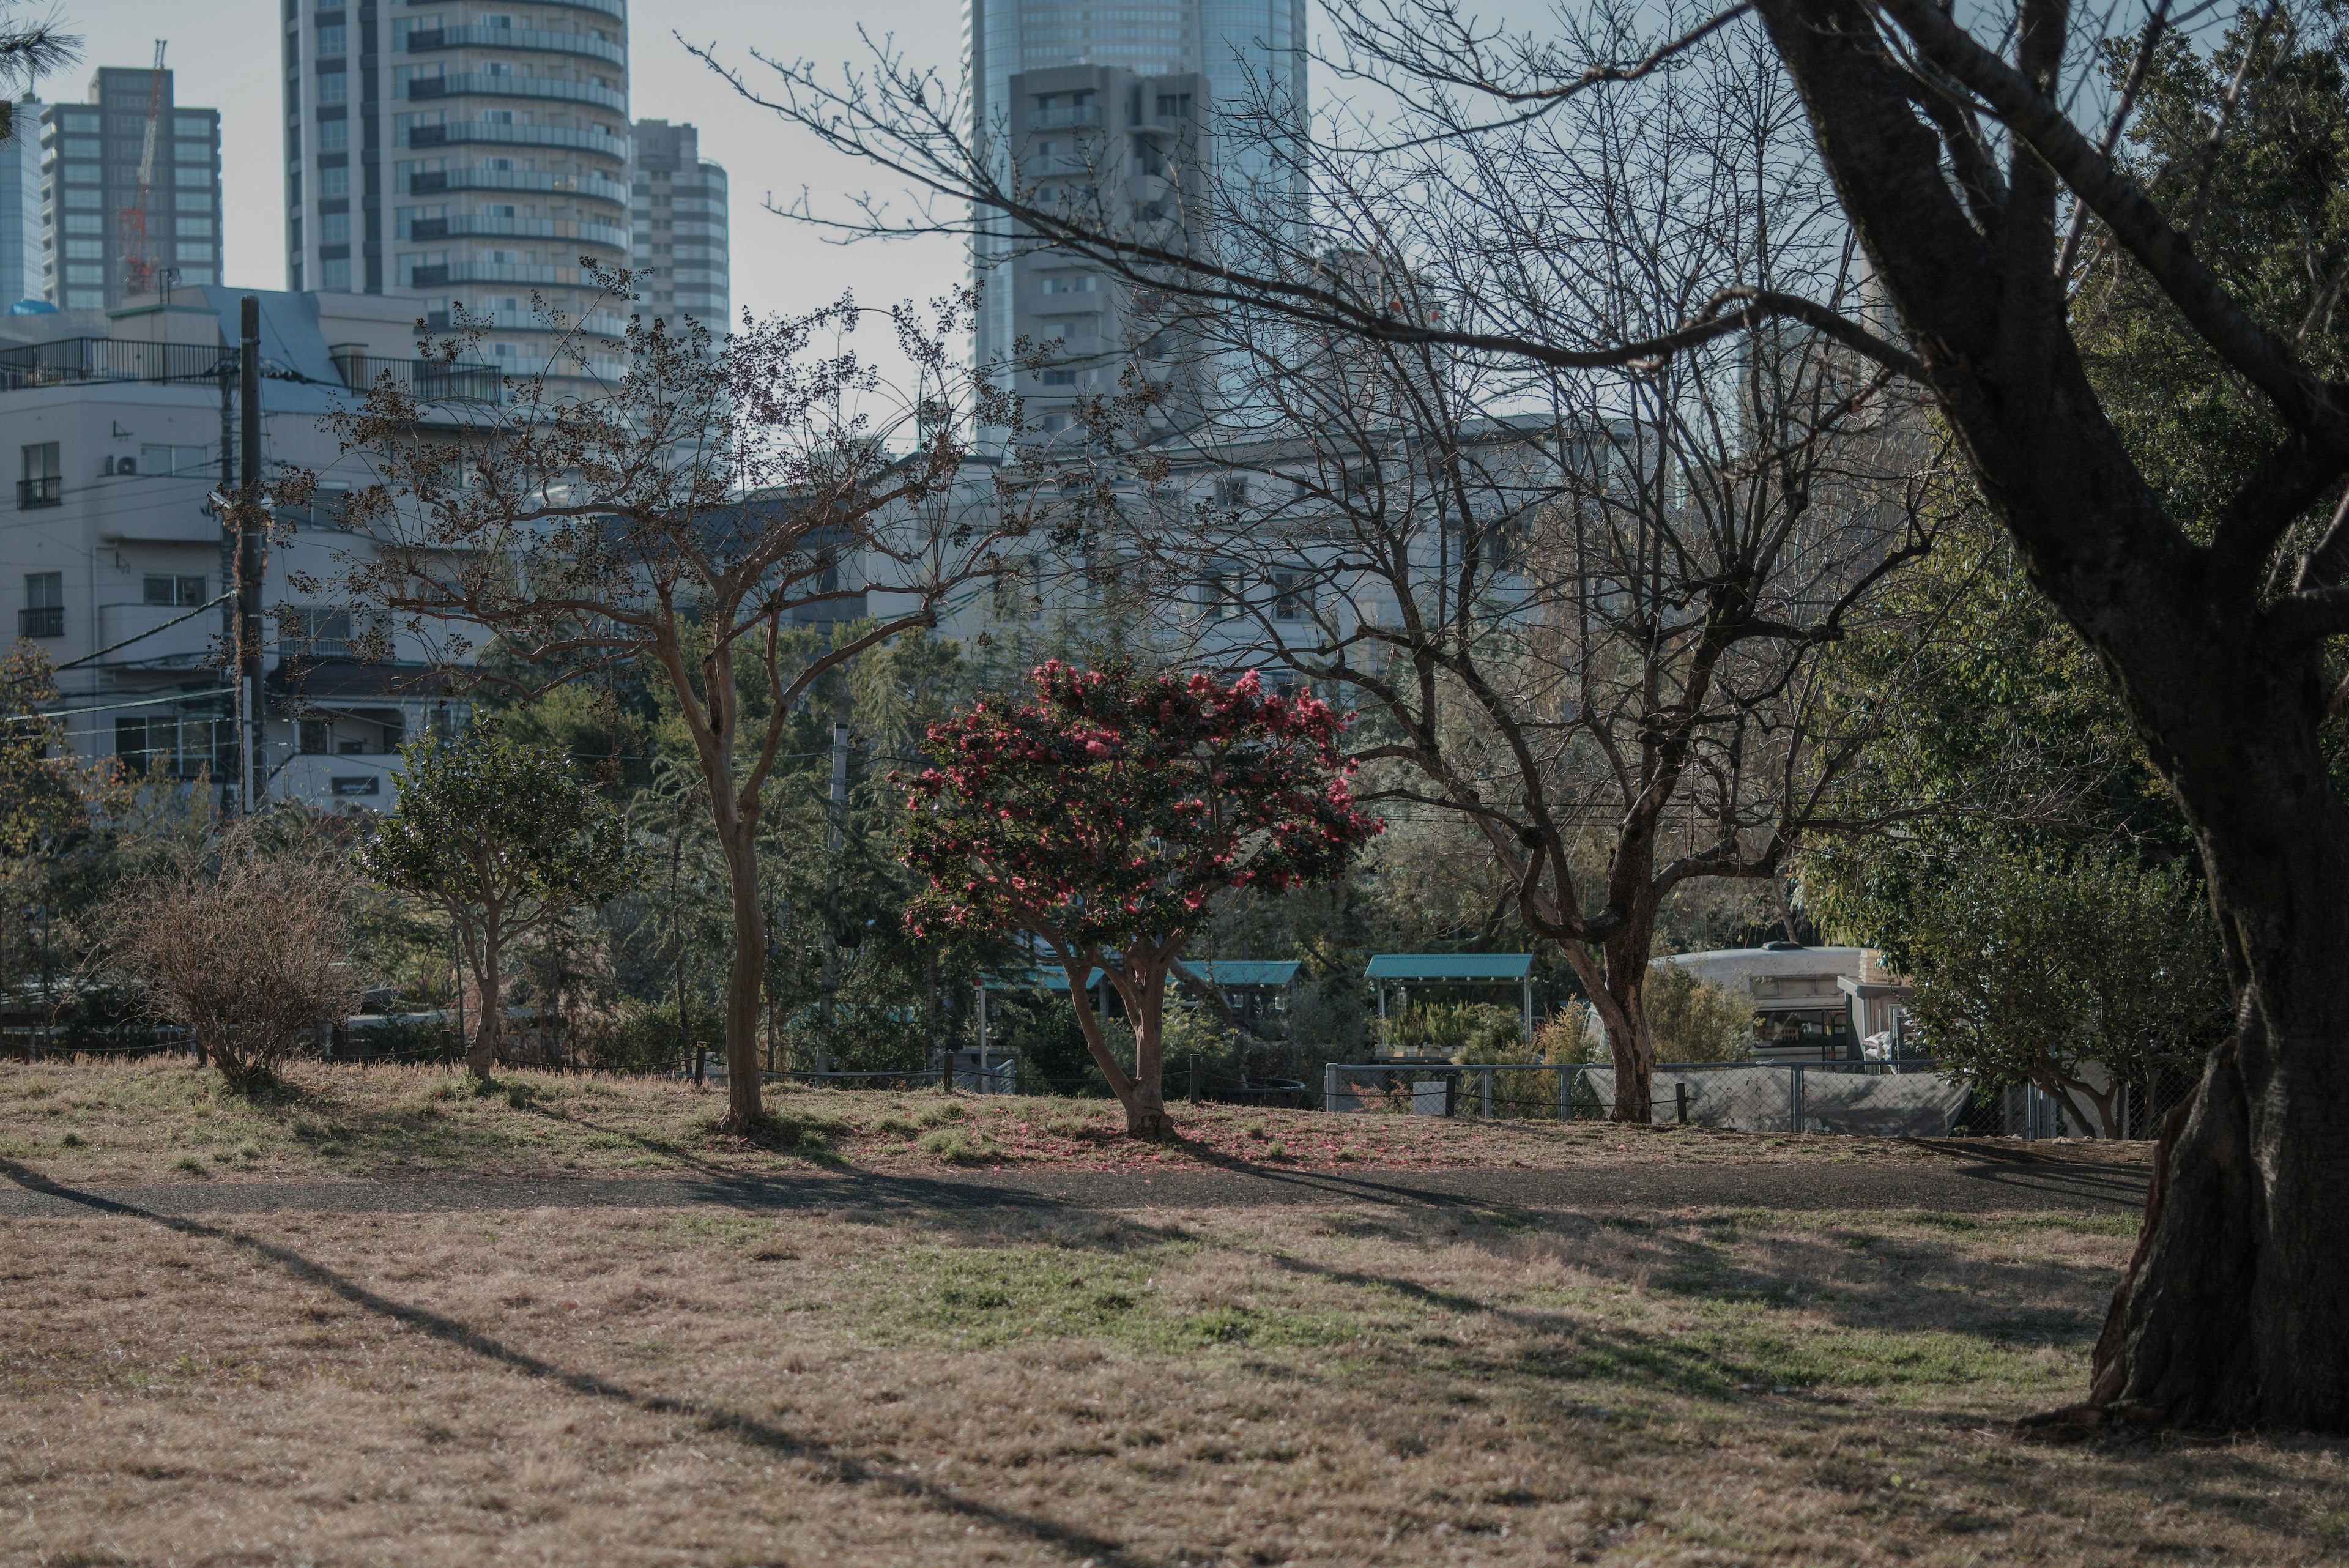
1762	1099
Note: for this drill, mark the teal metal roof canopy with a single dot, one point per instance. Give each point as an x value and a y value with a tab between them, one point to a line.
1500	968
1245	971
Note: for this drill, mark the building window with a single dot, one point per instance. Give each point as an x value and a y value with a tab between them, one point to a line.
335	275
334	135
1288	596
44	483
180	592
334	41
314	633
179	747
334	228
334	182
335	86
44	605
196	460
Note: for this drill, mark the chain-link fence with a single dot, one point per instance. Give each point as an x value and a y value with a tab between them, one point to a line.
1908	1098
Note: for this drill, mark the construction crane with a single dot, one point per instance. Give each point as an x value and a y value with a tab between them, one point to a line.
138	264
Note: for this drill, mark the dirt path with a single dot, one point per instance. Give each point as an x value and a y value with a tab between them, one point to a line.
2008	1180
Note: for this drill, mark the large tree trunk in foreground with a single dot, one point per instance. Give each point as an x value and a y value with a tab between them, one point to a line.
2230	1313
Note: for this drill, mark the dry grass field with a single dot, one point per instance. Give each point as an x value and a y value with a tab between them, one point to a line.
1161	1387
1171	1387
161	1119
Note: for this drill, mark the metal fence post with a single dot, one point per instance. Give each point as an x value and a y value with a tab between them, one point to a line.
1564	1093
1330	1086
1487	1086
1795	1092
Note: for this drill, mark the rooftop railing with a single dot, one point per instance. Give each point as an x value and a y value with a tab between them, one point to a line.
427	381
72	359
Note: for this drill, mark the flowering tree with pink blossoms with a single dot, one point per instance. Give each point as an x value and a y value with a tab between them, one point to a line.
1102	813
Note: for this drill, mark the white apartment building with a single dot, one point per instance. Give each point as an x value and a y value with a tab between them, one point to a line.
116	561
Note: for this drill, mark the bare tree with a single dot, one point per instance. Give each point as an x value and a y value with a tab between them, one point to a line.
681	518
1593	624
244	943
1948	150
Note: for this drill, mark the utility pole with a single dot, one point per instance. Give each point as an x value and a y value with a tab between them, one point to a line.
225	510
248	550
832	890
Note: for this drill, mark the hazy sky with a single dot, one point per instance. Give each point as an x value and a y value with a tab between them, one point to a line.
224	55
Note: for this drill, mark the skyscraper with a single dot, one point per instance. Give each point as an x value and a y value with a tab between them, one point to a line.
681	226
131	194
464	156
1170	93
20	206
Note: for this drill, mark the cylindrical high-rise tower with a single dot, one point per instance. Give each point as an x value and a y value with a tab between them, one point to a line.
464	156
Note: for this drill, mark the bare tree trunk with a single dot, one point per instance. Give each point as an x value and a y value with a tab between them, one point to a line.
1143	1094
482	1054
1146	1113
743	1106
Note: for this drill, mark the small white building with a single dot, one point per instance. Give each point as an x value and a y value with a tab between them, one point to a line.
1810	1004
115	562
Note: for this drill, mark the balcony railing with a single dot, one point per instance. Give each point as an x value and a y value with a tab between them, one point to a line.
615	9
490	272
1046	119
477	86
594	234
41	620
46	492
530	39
497	133
600	323
588	187
427	381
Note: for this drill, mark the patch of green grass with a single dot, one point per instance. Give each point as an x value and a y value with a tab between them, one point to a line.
959	1146
975	1296
74	1140
2075	1224
191	1164
895	1125
942	1114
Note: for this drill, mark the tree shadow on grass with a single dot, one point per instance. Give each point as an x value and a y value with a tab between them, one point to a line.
833	1464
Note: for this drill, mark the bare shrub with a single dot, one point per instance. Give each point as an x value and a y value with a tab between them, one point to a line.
247	949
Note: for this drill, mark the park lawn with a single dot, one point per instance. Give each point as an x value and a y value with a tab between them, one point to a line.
1365	1386
158	1119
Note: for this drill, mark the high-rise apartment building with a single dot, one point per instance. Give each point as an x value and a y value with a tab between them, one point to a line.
681	226
462	154
130	192
1137	104
20	204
